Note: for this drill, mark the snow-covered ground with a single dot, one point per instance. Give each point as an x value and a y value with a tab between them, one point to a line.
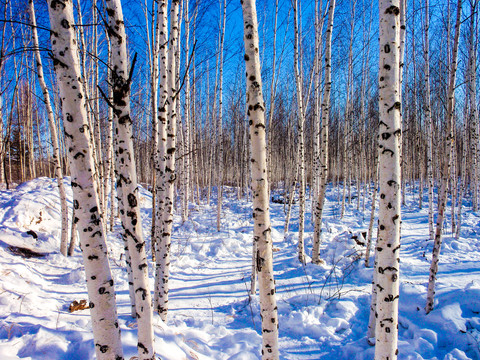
323	310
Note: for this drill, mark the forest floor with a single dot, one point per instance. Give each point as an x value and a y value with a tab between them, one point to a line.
323	310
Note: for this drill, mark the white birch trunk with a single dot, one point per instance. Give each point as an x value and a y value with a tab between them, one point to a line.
472	89
167	146
389	215
127	179
373	307
53	134
442	194
160	256
428	122
301	144
261	211
372	216
323	160
220	121
186	123
101	292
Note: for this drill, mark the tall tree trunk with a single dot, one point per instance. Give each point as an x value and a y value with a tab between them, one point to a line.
186	120
53	133
101	292
167	146
261	211
161	259
428	121
389	214
449	142
472	89
220	120
372	215
317	232
301	143
127	178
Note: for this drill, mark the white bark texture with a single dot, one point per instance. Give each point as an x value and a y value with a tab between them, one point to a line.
53	134
449	142
372	216
220	121
160	255
186	123
168	178
323	160
101	292
472	89
428	122
301	143
389	215
261	211
127	178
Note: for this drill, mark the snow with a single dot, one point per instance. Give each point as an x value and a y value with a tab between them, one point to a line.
323	310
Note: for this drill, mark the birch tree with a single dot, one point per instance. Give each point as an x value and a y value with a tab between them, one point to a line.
53	134
167	146
320	203
301	143
261	211
428	120
127	178
100	288
446	168
472	89
186	119
162	39
389	215
220	120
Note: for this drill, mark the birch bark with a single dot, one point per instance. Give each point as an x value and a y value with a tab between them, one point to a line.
320	203
261	211
101	292
220	121
127	178
428	121
389	215
301	143
449	142
168	167
53	134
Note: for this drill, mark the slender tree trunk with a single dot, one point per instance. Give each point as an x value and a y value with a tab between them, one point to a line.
273	89
472	89
220	121
301	144
186	123
463	170
161	256
449	142
127	179
154	47
73	235
261	211
428	122
389	215
372	216
101	292
168	167
373	305
53	133
323	160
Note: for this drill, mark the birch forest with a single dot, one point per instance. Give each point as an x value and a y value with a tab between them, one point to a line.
237	180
